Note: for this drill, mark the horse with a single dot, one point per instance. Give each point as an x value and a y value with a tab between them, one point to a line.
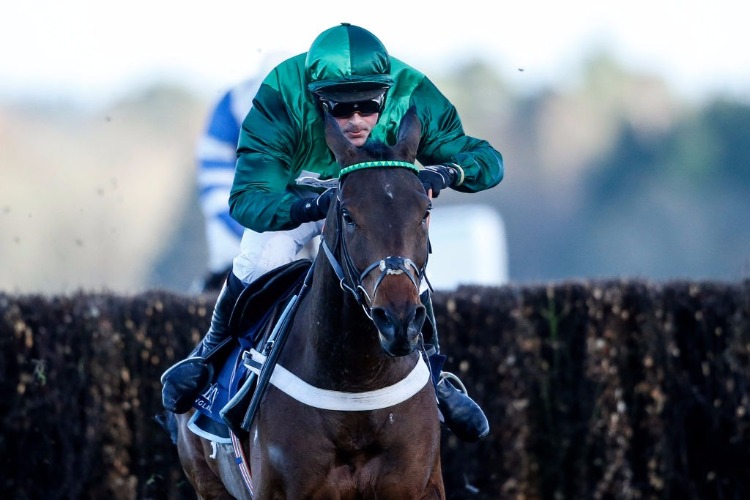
370	426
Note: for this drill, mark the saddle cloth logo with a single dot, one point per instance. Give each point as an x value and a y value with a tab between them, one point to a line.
225	384
206	400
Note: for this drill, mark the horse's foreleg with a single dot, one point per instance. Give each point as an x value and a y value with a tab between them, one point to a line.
193	452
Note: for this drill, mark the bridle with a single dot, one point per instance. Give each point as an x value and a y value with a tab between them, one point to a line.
351	278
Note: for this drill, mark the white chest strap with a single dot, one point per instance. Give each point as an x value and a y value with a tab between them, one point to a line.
326	399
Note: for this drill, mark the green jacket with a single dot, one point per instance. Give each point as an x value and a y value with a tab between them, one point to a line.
282	139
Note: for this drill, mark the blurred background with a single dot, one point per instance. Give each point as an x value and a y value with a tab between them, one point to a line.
625	129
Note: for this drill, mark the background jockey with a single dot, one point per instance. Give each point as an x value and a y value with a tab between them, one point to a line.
216	157
282	156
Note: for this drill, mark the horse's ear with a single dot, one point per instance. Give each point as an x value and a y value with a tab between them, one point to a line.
343	150
409	134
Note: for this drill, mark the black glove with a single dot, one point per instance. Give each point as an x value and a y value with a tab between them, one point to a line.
311	209
437	177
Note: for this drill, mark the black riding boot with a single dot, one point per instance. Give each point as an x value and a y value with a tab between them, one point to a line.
184	381
461	414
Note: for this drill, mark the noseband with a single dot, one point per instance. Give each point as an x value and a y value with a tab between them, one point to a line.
350	278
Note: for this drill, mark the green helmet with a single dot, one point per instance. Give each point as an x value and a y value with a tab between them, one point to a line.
347	63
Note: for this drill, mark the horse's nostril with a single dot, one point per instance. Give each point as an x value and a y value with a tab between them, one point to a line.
380	317
420	314
378	312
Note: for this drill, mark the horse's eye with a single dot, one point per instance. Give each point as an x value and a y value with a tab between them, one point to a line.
347	218
426	216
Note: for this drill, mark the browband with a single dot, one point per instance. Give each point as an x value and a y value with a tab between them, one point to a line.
375	164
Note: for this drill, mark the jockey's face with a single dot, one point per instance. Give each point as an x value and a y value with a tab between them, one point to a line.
357	126
356	119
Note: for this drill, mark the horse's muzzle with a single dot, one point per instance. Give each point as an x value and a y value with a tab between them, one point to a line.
399	331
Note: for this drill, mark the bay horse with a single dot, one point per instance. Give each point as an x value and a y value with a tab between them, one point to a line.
364	422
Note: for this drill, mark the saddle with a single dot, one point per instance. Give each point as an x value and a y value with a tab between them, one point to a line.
253	319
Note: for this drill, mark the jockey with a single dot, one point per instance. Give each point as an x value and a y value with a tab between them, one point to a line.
282	152
217	155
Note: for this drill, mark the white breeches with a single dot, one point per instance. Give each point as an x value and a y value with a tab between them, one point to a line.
262	252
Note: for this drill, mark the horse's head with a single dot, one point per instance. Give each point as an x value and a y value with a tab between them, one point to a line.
378	227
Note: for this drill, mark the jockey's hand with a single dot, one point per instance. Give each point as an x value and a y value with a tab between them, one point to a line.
312	209
437	177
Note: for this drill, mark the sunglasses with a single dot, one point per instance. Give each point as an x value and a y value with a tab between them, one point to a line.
347	109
